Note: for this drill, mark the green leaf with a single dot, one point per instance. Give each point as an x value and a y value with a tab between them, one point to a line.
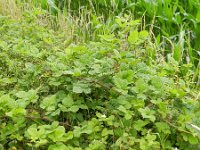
139	124
16	112
133	37
193	139
81	88
28	97
163	127
150	137
136	37
33	132
57	134
109	38
128	114
68	101
74	108
31	95
68	136
121	83
157	83
87	129
143	34
6	81
137	103
147	113
123	79
49	103
123	100
77	132
141	85
58	146
106	132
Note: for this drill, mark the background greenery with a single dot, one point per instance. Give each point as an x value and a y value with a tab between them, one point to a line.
99	74
174	25
178	20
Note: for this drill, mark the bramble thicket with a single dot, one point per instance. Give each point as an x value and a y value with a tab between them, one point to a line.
99	74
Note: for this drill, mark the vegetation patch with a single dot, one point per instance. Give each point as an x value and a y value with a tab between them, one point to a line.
115	92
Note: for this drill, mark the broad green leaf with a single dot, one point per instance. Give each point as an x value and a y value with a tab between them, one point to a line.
16	112
147	113
109	38
32	133
68	136
139	124
106	132
163	127
141	85
49	103
57	134
157	83
81	88
6	81
138	103
124	101
74	108
58	146
143	34
193	139
30	96
133	37
128	114
77	132
68	101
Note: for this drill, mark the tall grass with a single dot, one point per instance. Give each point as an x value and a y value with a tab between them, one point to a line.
10	8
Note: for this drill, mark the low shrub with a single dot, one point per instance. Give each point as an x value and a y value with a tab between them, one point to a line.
95	95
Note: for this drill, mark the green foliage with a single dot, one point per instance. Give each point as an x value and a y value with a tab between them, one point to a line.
175	24
104	94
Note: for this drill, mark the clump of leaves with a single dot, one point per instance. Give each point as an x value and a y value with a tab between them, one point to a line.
97	95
